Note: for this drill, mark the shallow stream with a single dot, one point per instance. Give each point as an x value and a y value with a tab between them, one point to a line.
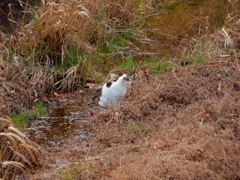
66	118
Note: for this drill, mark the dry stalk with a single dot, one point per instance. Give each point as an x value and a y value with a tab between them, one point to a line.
229	42
17	151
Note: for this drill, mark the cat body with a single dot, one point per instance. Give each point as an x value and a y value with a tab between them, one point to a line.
112	92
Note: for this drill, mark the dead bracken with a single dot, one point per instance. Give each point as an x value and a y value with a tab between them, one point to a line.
179	125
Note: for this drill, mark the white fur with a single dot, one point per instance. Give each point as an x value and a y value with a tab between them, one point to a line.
112	95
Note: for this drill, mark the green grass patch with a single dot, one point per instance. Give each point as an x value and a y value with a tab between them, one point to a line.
117	41
39	108
72	56
127	63
23	118
137	127
71	171
200	54
132	127
157	65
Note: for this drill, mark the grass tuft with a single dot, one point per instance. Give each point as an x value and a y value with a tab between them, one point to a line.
23	118
17	152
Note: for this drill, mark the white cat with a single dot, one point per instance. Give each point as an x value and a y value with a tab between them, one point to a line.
112	92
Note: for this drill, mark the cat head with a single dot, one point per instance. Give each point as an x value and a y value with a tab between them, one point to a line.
125	80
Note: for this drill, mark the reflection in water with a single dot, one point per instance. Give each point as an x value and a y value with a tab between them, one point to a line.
66	118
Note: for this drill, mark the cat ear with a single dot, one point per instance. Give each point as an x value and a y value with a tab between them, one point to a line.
126	78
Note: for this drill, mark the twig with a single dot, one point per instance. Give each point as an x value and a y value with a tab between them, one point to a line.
93	158
157	31
127	53
176	78
161	12
155	176
6	50
194	116
232	45
6	88
65	165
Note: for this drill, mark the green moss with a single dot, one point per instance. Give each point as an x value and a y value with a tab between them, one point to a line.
40	108
19	120
23	118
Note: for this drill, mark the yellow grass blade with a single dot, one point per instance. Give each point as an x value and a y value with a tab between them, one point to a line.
21	156
16	164
14	142
27	147
13	163
18	132
6	120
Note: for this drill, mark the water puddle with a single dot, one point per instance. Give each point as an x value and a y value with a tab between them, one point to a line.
66	118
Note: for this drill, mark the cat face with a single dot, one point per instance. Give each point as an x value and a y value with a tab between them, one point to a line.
126	80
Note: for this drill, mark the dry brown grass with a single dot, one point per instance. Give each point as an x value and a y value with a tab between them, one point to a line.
22	85
93	35
86	25
188	128
182	125
18	154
